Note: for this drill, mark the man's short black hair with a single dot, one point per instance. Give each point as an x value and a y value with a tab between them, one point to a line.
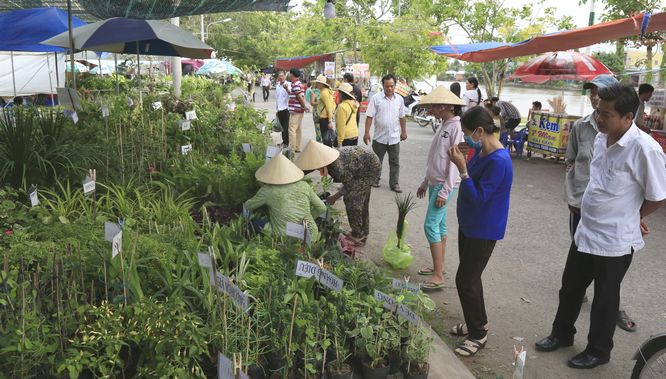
645	88
389	77
295	72
536	104
494	99
349	77
624	97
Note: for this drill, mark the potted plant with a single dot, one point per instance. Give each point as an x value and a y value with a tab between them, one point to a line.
396	252
416	354
339	367
375	338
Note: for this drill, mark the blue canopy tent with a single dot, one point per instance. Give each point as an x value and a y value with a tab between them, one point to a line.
456	50
25	29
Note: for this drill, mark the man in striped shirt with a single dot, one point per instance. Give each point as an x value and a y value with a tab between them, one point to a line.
296	109
509	114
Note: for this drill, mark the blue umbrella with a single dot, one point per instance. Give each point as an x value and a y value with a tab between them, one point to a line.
214	67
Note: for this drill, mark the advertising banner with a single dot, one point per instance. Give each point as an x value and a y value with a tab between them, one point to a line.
549	133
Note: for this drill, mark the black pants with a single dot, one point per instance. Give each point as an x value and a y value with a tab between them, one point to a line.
283	117
266	92
474	255
350	141
574	219
579	272
512	123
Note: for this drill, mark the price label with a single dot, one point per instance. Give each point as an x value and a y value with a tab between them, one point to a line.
225	367
185	149
271	151
88	186
403	285
295	230
324	277
225	286
306	269
117	244
231	107
247	148
185	125
111	229
34	200
157	105
105	112
130	102
191	115
205	260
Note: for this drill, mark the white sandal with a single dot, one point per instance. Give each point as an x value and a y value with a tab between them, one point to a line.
470	346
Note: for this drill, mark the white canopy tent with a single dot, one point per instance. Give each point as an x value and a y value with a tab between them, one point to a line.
33	73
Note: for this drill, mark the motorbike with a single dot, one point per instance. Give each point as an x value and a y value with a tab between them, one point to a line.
651	358
419	113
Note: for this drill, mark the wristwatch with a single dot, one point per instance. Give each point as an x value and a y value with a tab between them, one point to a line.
464	175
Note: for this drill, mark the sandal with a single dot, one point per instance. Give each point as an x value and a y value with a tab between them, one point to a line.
470	346
624	322
460	330
426	271
430	285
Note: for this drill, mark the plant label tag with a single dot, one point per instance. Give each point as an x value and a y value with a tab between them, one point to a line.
393	306
262	128
211	276
185	149
247	148
239	297
157	105
306	269
225	367
185	125
387	301
205	260
71	114
117	244
295	230
231	107
130	102
403	285
246	212
408	314
88	186
191	115
34	200
328	280
271	151
110	230
105	112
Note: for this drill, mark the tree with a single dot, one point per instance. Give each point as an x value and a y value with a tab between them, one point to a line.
614	62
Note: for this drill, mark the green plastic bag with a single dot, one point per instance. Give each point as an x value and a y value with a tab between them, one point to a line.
399	257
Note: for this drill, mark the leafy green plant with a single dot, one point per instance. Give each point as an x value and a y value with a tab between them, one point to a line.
405	204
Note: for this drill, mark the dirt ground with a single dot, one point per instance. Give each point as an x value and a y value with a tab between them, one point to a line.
523	276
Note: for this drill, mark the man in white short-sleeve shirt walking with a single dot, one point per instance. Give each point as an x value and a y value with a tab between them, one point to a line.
387	109
627	183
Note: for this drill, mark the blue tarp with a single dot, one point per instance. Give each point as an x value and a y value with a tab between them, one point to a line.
24	29
466	48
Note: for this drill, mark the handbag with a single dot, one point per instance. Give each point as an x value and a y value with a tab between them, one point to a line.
276	125
330	137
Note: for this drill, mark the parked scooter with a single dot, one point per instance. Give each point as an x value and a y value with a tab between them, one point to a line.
419	113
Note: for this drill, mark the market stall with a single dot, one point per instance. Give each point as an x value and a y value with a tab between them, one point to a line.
549	133
657	117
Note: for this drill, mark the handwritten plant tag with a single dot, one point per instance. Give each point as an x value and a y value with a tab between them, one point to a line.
185	149
247	148
185	125
88	185
239	297
157	105
246	212
225	367
306	269
191	115
105	112
403	285
271	151
393	306
34	200
324	277
117	244
110	230
205	260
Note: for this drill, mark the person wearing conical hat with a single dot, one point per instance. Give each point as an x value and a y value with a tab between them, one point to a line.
357	169
325	109
286	196
441	179
345	116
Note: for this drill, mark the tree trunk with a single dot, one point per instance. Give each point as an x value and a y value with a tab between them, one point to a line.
662	67
619	47
648	64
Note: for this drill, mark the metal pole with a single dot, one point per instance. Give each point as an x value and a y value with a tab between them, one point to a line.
56	70
48	65
71	41
11	55
203	38
177	70
115	61
138	72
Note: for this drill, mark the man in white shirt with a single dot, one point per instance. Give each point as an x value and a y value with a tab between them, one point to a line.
265	86
645	92
282	97
627	183
387	109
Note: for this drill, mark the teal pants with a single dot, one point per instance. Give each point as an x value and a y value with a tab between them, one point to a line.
435	220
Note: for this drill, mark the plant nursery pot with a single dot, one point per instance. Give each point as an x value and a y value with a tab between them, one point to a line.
375	373
421	375
346	372
395	361
275	362
256	372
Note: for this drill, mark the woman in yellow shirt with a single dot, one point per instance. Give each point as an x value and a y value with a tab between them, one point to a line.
345	116
325	108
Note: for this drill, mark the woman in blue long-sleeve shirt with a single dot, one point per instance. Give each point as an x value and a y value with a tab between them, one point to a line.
483	210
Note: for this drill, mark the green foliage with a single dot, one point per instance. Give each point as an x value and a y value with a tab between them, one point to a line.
614	62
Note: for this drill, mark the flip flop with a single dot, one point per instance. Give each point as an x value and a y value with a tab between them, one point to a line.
624	322
426	271
430	285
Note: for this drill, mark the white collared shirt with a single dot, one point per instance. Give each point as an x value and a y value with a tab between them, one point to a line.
622	176
386	114
282	97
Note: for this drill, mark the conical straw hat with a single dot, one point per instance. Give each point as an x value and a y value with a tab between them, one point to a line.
279	170
348	89
322	79
315	156
441	95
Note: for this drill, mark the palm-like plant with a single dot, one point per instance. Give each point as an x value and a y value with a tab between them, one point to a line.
405	204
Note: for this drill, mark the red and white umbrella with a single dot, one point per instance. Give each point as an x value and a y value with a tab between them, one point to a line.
562	65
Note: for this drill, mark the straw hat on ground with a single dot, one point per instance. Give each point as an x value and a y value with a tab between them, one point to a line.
315	156
348	89
441	95
279	170
321	79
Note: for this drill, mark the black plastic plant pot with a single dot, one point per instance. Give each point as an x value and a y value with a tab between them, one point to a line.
275	362
416	375
375	372
345	371
255	372
395	362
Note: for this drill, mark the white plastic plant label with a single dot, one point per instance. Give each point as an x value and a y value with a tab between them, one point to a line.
390	304
105	112
262	128
239	297
225	367
328	280
271	151
295	230
306	269
247	148
88	186
34	200
185	125
72	114
191	115
246	212
157	105
117	244
204	260
110	230
130	102
403	285
185	149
